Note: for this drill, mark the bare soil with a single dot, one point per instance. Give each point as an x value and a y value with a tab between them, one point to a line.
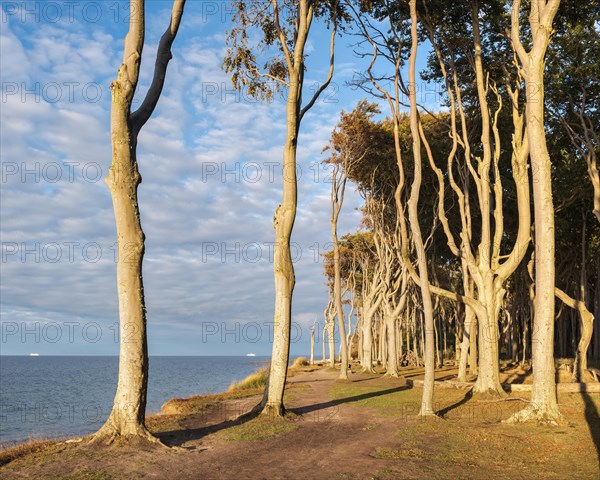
366	428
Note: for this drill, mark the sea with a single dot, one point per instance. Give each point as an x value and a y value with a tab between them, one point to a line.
58	397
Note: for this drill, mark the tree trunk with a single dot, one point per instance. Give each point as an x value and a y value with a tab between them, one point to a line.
337	198
129	409
312	345
331	339
367	329
127	417
428	382
324	347
392	350
544	403
283	266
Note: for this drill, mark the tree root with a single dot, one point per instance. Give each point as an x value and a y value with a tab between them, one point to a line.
250	414
489	393
507	399
546	415
273	411
110	434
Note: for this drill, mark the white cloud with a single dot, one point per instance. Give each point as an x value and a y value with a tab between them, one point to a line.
187	209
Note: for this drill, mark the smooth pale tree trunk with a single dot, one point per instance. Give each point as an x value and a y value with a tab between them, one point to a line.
382	356
324	346
586	324
413	202
488	378
127	417
283	266
379	338
468	330
285	214
586	318
544	404
312	345
331	339
392	347
485	268
436	331
338	187
367	344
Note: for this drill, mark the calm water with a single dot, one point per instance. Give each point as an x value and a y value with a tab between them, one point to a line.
69	396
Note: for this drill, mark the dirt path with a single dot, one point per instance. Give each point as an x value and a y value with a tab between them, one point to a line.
364	429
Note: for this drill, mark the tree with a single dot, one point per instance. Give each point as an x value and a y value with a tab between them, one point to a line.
391	48
349	146
413	202
338	187
127	418
285	28
544	403
477	100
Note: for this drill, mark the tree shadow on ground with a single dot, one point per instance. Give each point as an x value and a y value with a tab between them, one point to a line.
516	378
355	398
178	437
175	438
593	420
444	411
356	380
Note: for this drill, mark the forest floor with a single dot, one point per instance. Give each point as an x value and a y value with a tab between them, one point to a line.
366	428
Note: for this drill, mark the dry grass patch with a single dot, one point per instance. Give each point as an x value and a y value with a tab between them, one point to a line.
253	381
9	454
199	403
300	362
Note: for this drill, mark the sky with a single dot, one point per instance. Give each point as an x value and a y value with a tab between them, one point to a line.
210	160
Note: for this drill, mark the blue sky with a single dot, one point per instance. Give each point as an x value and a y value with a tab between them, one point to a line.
210	160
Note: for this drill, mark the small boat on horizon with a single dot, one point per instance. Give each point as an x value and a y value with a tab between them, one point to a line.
34	354
251	354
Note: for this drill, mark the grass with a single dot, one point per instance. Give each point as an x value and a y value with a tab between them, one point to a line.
395	403
258	428
300	362
9	454
254	381
199	403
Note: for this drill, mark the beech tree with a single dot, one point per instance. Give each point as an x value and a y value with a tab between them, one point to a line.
127	418
544	403
338	188
392	50
282	29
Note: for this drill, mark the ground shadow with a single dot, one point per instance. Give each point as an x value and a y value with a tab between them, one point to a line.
175	438
516	378
444	411
417	373
356	380
593	420
178	437
339	401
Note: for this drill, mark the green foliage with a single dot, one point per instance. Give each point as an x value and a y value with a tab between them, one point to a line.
262	36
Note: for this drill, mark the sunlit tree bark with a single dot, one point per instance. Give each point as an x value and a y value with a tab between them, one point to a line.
544	404
286	27
127	418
